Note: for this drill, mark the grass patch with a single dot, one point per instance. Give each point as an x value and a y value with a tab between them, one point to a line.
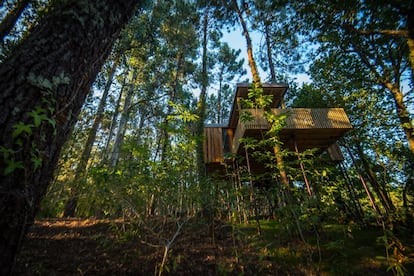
335	249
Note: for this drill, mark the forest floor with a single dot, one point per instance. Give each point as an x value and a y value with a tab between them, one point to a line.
116	247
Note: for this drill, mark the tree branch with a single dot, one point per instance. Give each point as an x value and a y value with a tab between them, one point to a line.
403	33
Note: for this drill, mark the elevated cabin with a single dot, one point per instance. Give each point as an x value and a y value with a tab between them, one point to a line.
304	128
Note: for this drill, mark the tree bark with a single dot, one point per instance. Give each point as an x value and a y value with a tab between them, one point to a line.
119	137
206	200
410	38
250	57
165	136
391	83
269	53
106	154
43	85
219	96
402	113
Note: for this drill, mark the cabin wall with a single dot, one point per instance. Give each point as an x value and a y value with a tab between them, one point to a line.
213	145
218	141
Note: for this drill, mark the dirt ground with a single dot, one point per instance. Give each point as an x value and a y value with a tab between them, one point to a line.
117	247
113	247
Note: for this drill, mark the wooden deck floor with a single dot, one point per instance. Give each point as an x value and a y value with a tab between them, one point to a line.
309	128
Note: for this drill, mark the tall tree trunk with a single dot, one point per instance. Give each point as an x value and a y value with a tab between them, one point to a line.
257	85
72	202
119	137
402	113
219	96
165	138
250	57
391	83
379	189
201	112
106	152
11	18
281	166
410	38
408	202
269	53
43	85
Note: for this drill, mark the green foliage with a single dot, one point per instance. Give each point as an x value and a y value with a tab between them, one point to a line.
395	255
260	100
20	128
277	122
246	116
11	163
24	132
156	174
181	113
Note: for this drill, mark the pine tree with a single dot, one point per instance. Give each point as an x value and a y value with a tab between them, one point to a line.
43	85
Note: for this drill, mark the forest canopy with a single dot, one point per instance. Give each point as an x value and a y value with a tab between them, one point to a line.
104	107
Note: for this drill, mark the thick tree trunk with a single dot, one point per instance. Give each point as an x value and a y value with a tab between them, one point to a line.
257	85
43	85
402	113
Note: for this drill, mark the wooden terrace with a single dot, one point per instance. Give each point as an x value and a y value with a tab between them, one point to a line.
306	128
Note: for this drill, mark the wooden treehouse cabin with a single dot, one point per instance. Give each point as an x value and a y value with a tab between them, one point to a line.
304	128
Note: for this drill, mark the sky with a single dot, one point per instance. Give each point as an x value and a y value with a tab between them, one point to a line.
236	41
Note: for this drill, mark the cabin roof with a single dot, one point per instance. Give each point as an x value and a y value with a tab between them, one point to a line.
278	91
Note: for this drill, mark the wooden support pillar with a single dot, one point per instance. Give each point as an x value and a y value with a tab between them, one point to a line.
364	184
352	193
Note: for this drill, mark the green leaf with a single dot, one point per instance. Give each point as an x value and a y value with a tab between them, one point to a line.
6	152
37	161
38	118
246	116
19	142
52	122
12	165
20	128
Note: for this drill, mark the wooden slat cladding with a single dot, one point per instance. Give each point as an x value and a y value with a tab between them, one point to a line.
302	118
319	127
213	144
239	133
